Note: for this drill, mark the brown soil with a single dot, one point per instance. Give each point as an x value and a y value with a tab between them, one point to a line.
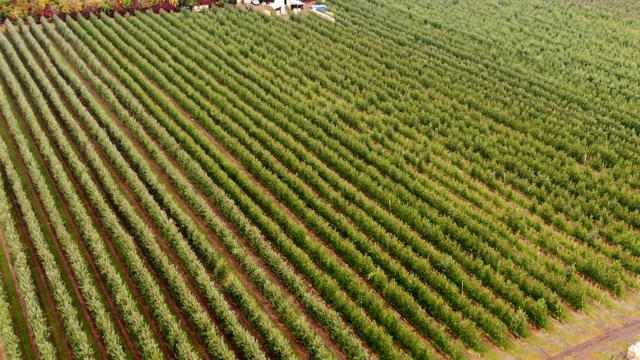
164	286
125	274
272	277
119	262
233	264
298	221
242	277
120	325
66	267
111	307
44	291
14	280
230	260
291	215
165	247
164	179
176	310
317	328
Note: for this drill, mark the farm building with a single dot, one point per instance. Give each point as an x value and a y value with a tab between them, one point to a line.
278	5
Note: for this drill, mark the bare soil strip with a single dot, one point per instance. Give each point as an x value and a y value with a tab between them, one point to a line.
21	311
299	307
165	246
128	193
164	179
130	343
64	261
58	334
144	307
126	275
247	283
161	176
229	258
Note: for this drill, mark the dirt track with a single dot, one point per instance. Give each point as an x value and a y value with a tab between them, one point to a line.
593	345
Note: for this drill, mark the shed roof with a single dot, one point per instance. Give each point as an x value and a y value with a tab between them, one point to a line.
277	4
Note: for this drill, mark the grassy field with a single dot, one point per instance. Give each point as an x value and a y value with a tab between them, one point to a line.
430	179
621	9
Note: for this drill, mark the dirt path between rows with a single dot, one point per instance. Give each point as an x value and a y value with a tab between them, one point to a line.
62	254
206	305
231	260
278	202
41	281
612	336
20	299
127	276
164	286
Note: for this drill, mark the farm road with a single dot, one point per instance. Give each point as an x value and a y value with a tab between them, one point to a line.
593	345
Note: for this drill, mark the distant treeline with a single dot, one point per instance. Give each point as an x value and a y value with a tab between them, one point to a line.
17	9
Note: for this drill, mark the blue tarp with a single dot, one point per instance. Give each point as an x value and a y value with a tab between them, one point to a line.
319	8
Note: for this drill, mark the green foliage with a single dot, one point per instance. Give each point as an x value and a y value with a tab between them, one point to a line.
391	189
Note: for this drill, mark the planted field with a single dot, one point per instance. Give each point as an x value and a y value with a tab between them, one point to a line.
418	179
